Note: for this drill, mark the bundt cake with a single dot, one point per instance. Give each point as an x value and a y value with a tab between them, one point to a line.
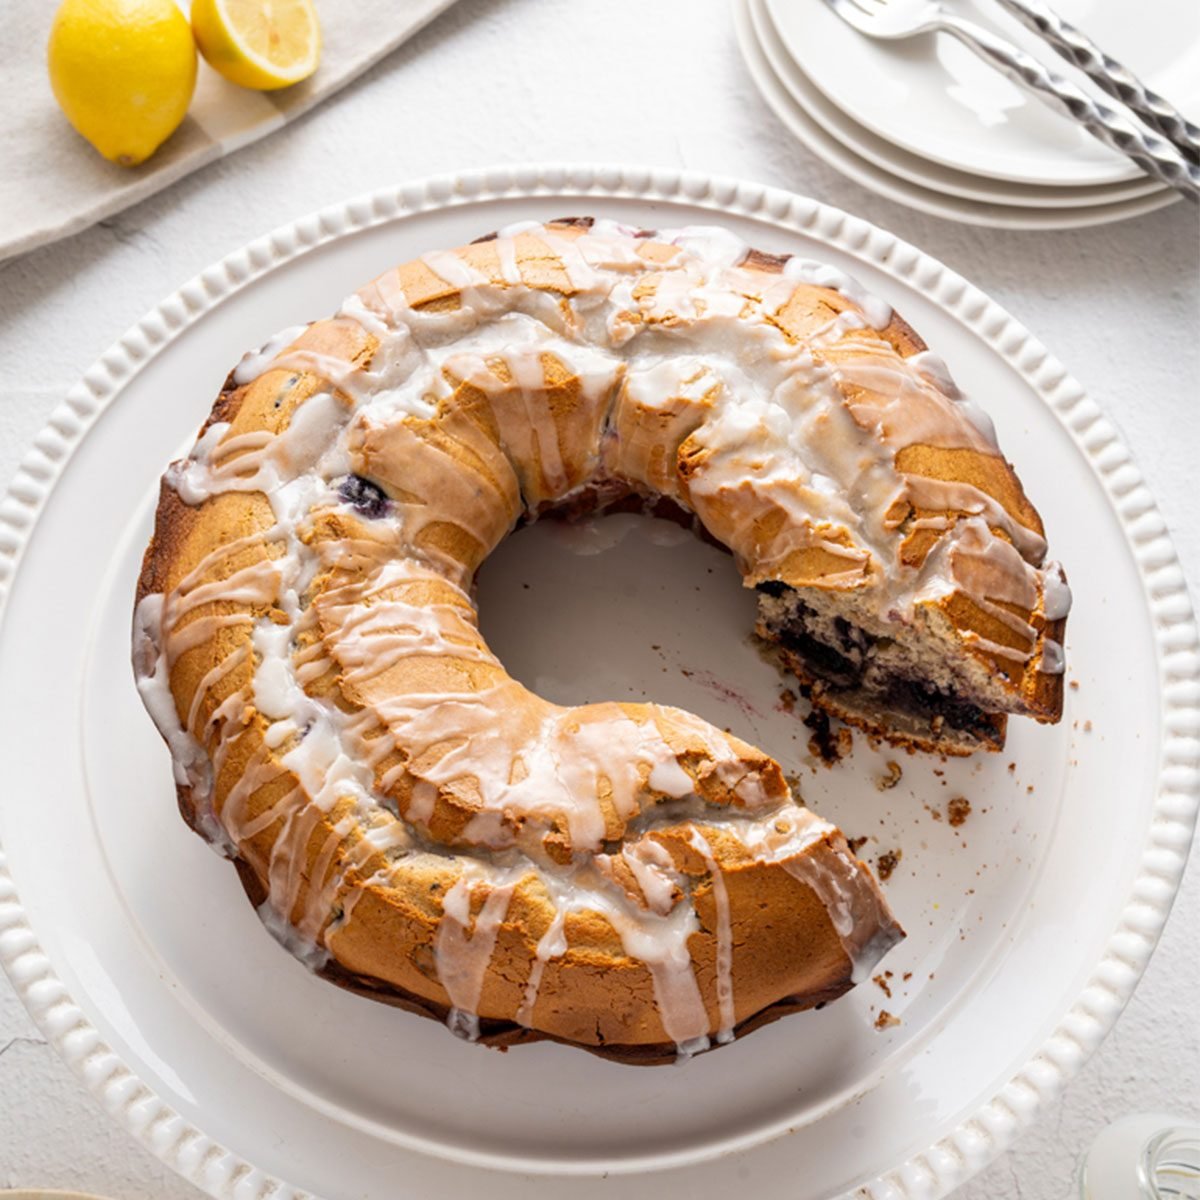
417	825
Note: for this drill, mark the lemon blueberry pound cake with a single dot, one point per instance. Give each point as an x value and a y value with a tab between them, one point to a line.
417	825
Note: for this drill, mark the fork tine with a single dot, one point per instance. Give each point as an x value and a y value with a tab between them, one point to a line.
888	19
853	11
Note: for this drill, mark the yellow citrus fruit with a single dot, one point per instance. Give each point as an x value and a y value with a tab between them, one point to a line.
123	71
263	44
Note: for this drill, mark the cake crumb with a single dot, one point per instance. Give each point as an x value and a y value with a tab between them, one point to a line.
1074	685
885	1020
889	780
787	700
882	984
906	976
1029	790
958	809
825	745
1087	727
1012	768
935	813
887	862
856	844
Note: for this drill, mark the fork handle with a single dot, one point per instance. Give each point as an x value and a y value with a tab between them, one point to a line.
1154	154
1115	78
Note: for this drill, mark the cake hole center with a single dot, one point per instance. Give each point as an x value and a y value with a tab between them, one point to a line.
625	607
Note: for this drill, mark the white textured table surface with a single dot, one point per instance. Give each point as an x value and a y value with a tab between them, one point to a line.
659	84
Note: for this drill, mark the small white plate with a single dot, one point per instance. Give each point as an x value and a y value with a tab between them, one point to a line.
937	99
136	952
862	170
913	168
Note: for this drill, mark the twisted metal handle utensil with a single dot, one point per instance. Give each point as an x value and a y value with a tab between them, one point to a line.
1107	73
1154	154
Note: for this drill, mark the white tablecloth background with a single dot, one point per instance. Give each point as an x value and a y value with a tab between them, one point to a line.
655	83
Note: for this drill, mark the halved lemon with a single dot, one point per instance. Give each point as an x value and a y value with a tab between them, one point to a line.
262	44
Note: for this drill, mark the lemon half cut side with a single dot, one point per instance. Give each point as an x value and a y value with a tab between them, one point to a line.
262	44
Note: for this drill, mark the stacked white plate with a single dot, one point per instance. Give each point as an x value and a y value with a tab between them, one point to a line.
927	123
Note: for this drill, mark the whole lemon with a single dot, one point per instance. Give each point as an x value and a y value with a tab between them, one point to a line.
123	71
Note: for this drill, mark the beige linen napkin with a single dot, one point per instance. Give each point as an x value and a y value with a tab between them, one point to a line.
52	183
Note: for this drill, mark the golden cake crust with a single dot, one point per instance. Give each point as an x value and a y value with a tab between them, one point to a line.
366	892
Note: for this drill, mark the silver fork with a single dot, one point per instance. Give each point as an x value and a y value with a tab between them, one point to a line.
898	19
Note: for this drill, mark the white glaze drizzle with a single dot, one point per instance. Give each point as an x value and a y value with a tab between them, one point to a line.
253	364
552	944
1056	593
724	937
464	946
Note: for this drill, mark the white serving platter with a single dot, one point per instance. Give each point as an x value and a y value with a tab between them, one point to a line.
1029	925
